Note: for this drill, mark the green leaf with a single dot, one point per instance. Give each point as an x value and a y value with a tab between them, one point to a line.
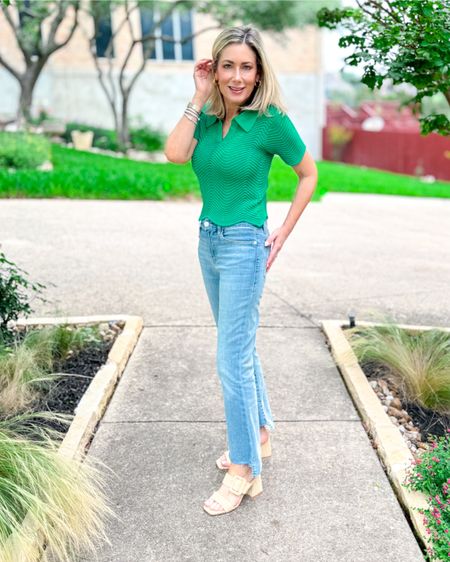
408	43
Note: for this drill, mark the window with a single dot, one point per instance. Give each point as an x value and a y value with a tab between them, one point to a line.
177	25
104	34
186	30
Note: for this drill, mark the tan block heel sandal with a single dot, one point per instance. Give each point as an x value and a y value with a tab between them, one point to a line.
223	463
238	486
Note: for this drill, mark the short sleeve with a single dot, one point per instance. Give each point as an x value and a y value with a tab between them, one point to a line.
283	139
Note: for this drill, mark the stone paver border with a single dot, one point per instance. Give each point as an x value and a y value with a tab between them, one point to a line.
391	446
89	411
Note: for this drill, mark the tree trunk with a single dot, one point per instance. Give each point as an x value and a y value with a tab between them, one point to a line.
27	84
123	134
25	101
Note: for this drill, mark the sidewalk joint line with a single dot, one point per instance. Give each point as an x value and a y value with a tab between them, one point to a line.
307	317
223	421
272	326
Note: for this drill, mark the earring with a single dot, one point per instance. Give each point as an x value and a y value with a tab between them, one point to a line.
258	83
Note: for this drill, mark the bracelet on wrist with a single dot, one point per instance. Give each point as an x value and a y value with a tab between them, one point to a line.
194	106
191	108
190	117
192	112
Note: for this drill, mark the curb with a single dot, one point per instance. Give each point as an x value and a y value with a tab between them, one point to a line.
88	413
391	446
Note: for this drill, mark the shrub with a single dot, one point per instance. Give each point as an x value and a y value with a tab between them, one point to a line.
103	138
23	150
14	298
145	138
141	138
41	117
430	474
338	135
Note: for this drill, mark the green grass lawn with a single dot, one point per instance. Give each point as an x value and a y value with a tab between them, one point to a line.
84	175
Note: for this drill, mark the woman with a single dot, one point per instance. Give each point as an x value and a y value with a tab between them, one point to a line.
231	129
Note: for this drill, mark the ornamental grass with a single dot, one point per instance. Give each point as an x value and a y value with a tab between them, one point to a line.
63	498
25	366
418	364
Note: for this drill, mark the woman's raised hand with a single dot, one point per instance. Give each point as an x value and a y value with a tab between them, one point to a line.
204	77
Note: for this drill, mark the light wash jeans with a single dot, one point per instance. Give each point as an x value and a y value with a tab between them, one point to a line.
233	263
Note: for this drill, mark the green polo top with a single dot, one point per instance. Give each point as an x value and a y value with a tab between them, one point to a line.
233	172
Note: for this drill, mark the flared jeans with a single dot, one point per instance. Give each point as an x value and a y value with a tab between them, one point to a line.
233	264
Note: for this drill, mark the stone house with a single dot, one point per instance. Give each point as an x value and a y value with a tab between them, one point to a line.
68	86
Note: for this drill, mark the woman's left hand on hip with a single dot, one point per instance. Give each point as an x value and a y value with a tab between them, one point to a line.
276	239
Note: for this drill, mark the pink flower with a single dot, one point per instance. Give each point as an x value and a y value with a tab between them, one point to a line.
435	459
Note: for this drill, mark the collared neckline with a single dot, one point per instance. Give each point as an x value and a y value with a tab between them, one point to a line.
246	119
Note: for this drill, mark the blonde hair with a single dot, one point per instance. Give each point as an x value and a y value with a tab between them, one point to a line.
268	92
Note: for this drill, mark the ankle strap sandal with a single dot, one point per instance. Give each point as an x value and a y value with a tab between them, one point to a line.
223	462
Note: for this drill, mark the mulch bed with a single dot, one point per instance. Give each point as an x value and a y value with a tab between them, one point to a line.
431	423
66	392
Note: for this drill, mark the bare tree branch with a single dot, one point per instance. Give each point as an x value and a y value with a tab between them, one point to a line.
130	49
124	21
55	46
136	75
110	96
10	69
55	24
394	14
190	37
368	12
16	31
9	19
378	5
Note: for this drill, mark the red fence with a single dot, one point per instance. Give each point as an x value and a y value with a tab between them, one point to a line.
402	152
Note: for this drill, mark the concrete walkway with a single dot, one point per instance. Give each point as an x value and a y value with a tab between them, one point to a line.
326	496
